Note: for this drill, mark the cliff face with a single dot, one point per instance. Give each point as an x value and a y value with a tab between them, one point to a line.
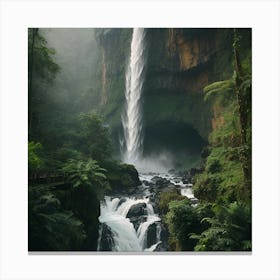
181	63
114	45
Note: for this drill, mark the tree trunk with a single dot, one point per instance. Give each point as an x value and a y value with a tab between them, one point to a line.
241	109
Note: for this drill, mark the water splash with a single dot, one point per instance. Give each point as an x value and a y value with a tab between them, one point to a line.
126	237
132	146
124	232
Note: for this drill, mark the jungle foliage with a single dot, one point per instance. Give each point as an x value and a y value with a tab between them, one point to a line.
70	164
70	160
224	187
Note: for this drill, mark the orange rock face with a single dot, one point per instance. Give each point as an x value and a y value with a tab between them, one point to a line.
188	53
217	120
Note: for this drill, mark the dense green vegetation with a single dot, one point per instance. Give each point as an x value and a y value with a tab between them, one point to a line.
70	160
222	220
75	105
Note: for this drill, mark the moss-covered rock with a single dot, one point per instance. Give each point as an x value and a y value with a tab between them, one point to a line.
121	177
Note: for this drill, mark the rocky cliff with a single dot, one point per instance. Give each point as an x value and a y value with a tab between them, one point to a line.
180	63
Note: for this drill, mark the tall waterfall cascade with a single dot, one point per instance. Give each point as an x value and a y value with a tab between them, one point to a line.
132	117
133	136
130	223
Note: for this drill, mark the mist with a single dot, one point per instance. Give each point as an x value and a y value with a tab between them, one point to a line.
78	55
155	163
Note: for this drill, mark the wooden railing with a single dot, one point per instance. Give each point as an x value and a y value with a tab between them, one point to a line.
46	177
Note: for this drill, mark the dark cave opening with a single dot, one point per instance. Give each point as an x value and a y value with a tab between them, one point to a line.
177	139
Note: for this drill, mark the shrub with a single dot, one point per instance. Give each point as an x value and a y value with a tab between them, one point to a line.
86	174
52	228
229	229
206	187
94	138
35	161
165	198
214	166
182	219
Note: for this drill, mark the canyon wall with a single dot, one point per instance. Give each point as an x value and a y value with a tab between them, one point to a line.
180	63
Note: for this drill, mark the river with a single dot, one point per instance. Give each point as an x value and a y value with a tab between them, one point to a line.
133	223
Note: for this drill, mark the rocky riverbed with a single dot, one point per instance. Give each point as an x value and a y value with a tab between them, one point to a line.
132	222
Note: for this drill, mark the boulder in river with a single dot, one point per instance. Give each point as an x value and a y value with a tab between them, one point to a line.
121	201
123	178
137	221
151	235
169	188
107	241
160	182
137	210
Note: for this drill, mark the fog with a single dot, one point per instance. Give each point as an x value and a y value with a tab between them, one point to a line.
78	55
155	163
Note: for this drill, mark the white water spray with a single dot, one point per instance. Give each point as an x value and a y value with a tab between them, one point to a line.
125	231
131	119
126	238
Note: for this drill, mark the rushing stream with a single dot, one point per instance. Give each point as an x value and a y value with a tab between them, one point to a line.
125	237
130	223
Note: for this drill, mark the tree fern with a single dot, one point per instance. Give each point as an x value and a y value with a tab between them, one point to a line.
229	230
219	88
86	174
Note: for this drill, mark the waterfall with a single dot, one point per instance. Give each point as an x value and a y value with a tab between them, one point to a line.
132	143
127	223
124	235
132	117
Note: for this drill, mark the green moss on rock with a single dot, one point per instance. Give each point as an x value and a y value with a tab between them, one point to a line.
121	177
